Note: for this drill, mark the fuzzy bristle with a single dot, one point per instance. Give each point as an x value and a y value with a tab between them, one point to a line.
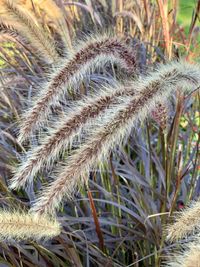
21	226
156	86
91	54
186	222
190	256
160	115
6	28
84	112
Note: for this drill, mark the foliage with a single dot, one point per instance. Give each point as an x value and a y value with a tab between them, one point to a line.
117	218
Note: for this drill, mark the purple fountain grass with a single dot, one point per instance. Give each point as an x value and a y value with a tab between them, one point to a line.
157	86
84	112
94	52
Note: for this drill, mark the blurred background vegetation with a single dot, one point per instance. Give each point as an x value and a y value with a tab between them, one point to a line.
186	9
119	219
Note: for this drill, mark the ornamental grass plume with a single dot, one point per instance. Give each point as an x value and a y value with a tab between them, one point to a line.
26	25
10	32
190	256
155	86
160	115
6	28
94	52
83	112
187	221
20	225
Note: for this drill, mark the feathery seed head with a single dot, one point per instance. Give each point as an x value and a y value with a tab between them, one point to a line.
156	86
92	54
187	221
84	111
19	225
26	25
188	257
160	115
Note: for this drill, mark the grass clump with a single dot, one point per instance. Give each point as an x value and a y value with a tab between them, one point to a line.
99	137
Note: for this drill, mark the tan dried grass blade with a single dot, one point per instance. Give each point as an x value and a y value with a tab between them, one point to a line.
26	24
